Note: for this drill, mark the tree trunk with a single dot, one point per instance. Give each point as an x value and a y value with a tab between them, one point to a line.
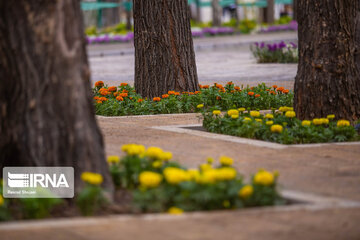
216	13
46	110
270	11
164	52
328	77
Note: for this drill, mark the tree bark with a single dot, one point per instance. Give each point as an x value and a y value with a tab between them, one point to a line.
270	11
164	52
328	77
46	110
216	13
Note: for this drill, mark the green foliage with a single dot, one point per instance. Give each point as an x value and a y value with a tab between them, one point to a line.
90	199
38	207
91	31
212	97
247	26
283	20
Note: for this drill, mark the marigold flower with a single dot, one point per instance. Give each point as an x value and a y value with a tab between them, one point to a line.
235	116
258	120
125	91
96	98
276	128
205	166
140	100
112	89
156	99
280	89
226	161
233	112
305	123
216	112
133	149
317	121
275	86
119	98
175	175
225	173
98	101
290	114
197	92
103	99
247	120
123	95
171	92
230	83
150	179
343	123
210	160
200	106
157	164
246	191
113	159
165	96
264	178
205	86
175	211
123	84
272	92
237	88
331	116
257	95
177	94
325	121
255	113
99	84
269	116
218	98
191	93
241	109
165	156
285	91
92	178
104	92
218	85
283	109
269	123
154	152
251	93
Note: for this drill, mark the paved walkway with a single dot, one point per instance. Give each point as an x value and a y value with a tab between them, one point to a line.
218	59
328	171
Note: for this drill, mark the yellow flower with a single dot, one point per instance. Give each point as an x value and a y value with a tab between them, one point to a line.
225	173
343	123
194	174
175	211
331	116
157	164
317	121
264	178
305	123
165	156
235	116
113	159
290	114
150	179
216	112
233	112
92	178
283	109
208	177
176	175
258	120
270	116
255	114
241	109
269	123
154	152
325	120
200	106
1	200
246	191
226	161
133	149
226	203
205	166
276	128
247	120
210	160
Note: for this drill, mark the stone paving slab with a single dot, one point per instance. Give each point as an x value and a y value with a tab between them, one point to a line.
327	171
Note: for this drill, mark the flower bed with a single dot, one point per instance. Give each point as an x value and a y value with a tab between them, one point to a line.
291	26
280	126
122	100
148	180
275	53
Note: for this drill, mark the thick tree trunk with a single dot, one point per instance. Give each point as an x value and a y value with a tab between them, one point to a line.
270	11
328	77
216	13
46	111
164	52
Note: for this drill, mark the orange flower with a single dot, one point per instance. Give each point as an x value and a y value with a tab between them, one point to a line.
171	92
103	92
96	98
222	90
268	90
232	91
200	86
230	83
119	98
218	98
257	95
99	84
156	99
251	93
273	92
177	94
112	89
197	92
274	86
125	91
130	98
123	84
165	96
237	88
103	99
191	93
98	101
285	91
123	95
116	93
205	86
280	89
140	100
218	85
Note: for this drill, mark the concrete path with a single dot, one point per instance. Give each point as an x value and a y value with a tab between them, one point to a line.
327	171
218	59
